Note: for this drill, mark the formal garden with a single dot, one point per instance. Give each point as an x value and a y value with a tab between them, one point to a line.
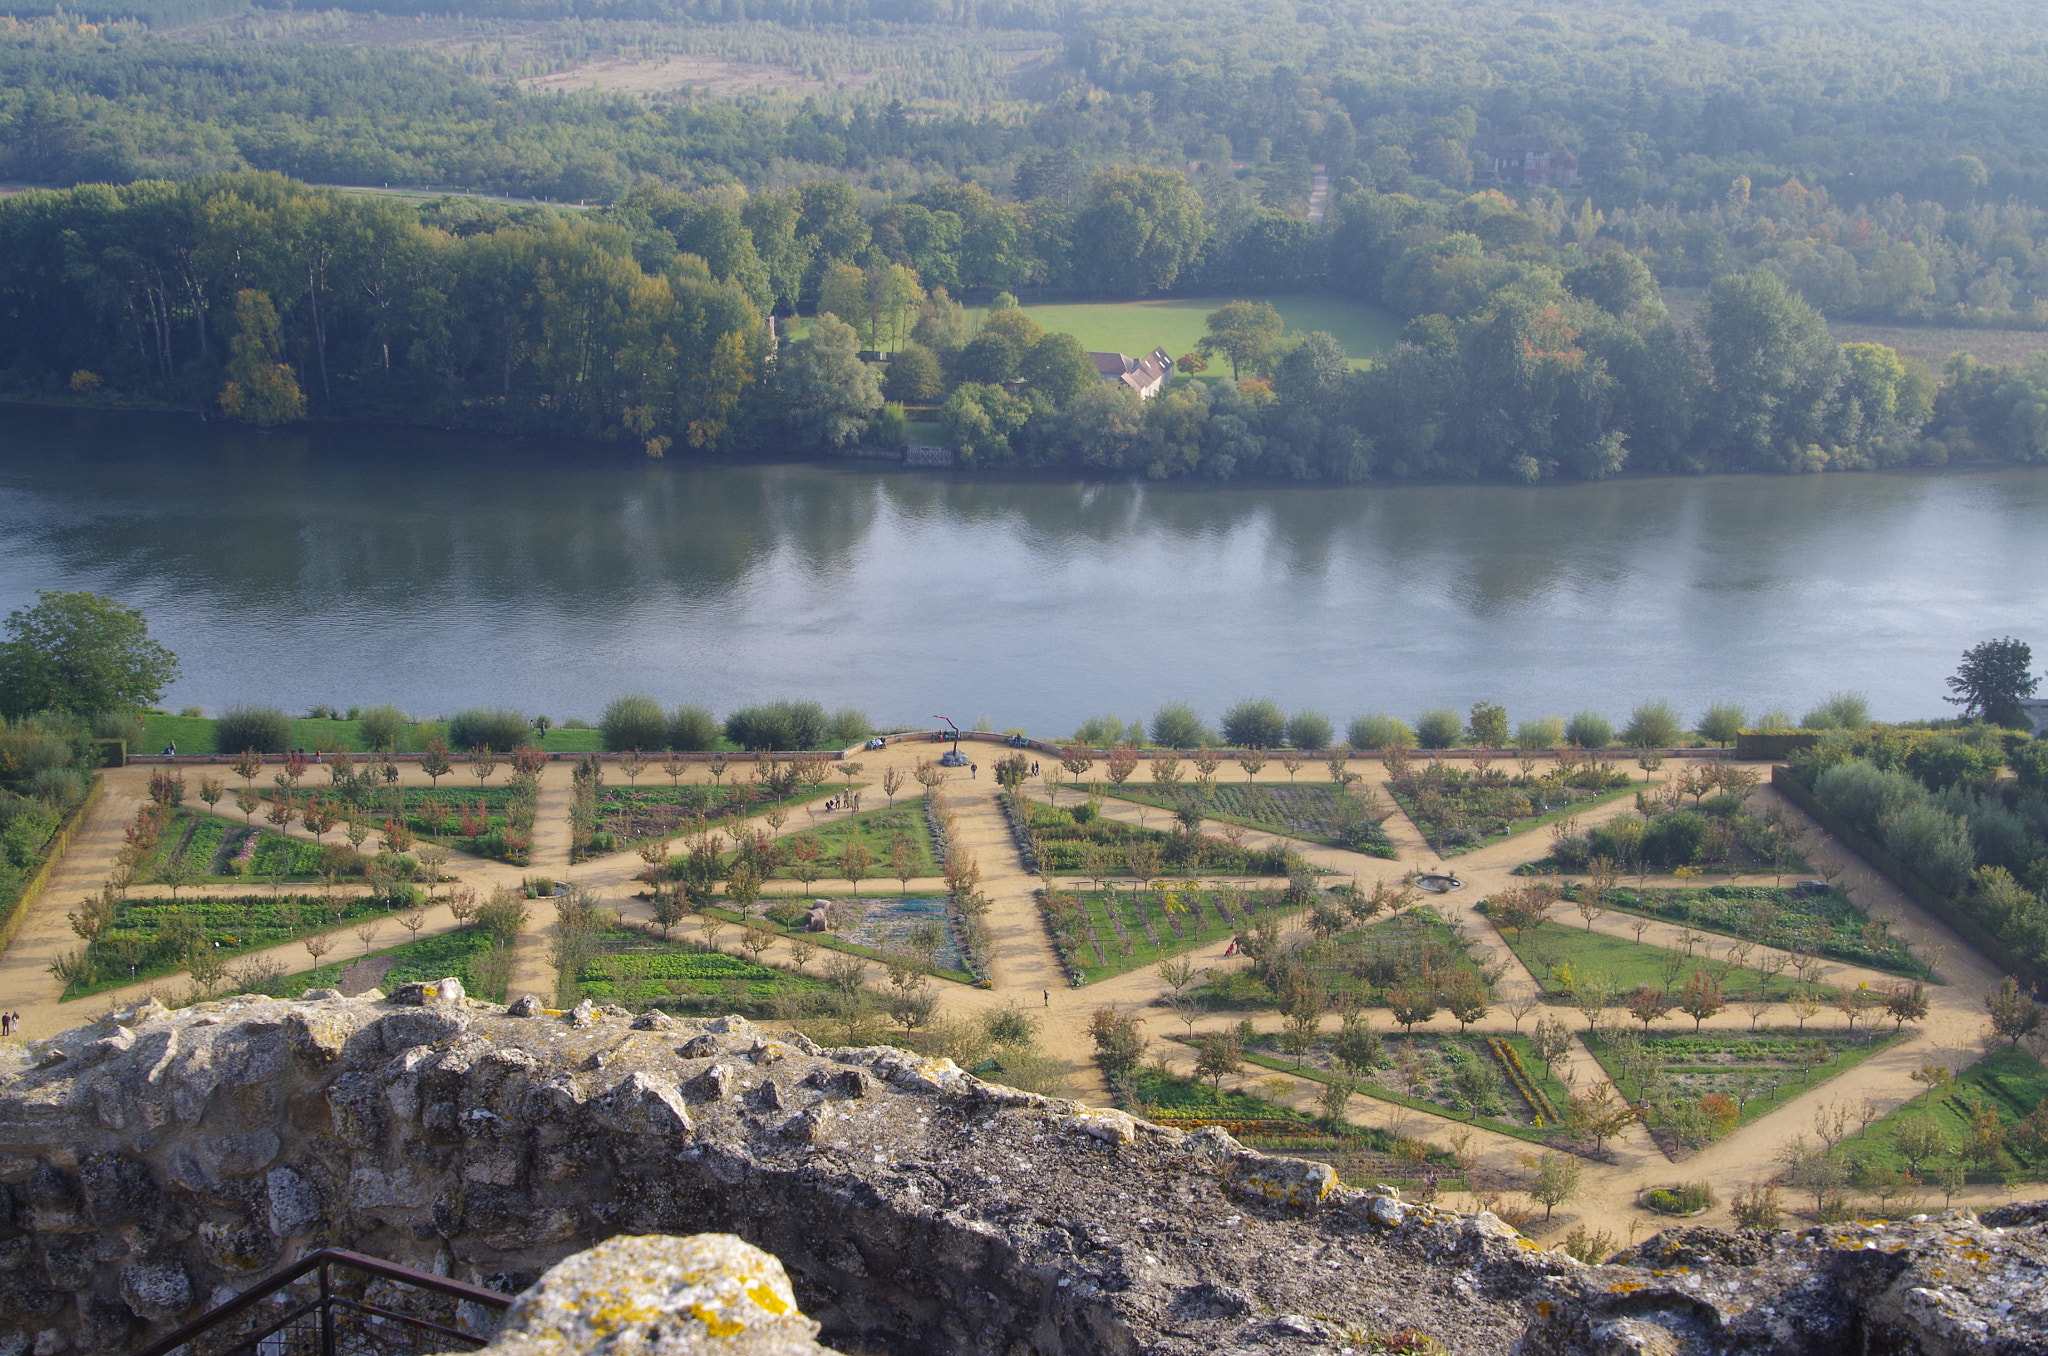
1414	963
131	939
1102	933
485	821
1081	840
1694	1088
1810	917
1330	814
1988	1123
1462	806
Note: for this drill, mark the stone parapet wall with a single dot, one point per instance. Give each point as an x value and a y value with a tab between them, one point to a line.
158	1162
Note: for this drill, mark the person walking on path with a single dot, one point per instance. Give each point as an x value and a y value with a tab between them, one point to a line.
972	772
1048	997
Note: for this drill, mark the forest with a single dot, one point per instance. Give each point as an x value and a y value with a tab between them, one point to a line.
1787	167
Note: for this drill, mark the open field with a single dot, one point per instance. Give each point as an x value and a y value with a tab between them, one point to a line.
1931	344
1175	323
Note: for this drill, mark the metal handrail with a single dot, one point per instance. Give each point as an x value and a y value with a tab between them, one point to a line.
321	1261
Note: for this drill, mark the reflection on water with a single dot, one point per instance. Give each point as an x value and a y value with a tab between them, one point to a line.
347	565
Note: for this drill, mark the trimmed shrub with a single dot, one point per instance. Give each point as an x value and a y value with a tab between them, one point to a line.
1935	843
1438	728
1675	839
633	721
1176	726
1309	730
1379	731
1865	794
778	726
1941	763
692	729
1545	732
1254	723
495	728
1589	730
265	729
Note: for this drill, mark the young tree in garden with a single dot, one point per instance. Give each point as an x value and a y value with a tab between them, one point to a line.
892	782
1905	1002
1700	998
1411	1006
1487	725
1123	761
1994	677
854	860
743	885
804	859
259	388
1556	1179
247	765
2014	1013
1119	1045
902	861
1647	1004
80	653
434	762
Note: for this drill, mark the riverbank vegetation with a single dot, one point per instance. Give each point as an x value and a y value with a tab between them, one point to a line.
1514	189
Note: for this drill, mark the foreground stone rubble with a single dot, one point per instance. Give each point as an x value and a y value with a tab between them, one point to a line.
160	1162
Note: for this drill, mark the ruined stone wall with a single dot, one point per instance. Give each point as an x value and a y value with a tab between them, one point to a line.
159	1162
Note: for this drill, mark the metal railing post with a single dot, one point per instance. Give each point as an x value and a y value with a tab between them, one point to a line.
326	1310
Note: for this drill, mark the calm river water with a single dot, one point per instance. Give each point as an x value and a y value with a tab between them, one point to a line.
364	565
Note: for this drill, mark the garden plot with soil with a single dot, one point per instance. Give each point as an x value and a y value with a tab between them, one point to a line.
1361	1155
630	813
639	971
880	927
1701	1087
1102	933
1333	815
1080	841
1496	1082
1410	962
1459	808
150	938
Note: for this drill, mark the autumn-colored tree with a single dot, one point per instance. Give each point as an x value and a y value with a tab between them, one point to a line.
259	388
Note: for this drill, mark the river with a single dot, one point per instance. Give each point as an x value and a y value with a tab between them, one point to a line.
347	565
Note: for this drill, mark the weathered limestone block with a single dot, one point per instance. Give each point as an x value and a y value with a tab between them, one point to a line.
705	1295
915	1208
1934	1287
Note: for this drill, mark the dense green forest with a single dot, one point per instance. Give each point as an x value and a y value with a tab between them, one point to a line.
1856	162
